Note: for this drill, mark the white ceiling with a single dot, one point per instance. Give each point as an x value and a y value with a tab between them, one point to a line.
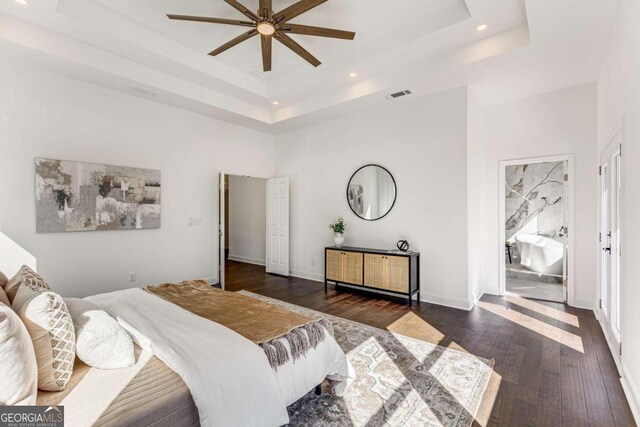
531	46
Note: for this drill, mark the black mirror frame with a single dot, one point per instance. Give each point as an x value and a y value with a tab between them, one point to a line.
395	186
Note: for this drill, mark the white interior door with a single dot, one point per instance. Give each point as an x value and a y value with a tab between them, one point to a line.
610	189
221	231
278	226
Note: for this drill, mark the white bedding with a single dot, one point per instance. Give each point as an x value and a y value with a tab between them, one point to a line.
229	376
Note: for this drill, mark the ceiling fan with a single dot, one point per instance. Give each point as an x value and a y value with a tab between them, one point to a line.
271	25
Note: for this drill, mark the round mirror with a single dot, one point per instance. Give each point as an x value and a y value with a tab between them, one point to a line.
371	192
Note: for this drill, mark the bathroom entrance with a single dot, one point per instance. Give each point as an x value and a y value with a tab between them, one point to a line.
535	228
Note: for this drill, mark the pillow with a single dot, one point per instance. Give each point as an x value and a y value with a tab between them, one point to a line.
49	324
100	340
25	276
3	280
4	299
19	378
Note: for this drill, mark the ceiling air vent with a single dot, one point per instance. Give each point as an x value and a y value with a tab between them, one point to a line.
398	94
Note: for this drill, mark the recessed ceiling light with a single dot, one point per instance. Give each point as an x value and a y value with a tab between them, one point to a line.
22	2
353	75
482	27
275	103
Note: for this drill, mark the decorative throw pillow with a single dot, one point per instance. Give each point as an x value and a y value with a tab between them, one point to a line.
3	280
100	340
18	368
4	299
49	324
25	276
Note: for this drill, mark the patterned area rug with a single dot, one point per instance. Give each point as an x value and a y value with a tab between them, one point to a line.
400	381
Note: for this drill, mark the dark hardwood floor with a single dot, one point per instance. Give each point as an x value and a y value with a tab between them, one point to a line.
553	365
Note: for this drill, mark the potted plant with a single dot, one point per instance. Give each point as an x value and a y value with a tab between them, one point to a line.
338	232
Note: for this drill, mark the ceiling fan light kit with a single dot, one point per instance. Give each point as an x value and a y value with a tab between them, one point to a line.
269	25
266	28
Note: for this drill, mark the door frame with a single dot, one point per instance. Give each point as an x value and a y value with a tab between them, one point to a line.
221	220
569	158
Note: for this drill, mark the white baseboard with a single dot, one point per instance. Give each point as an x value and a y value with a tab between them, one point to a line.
212	280
478	299
490	292
247	260
307	275
585	304
614	351
632	392
453	302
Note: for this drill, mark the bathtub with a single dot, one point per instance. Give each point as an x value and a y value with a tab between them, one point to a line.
540	254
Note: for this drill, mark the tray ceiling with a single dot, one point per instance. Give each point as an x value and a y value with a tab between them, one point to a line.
423	45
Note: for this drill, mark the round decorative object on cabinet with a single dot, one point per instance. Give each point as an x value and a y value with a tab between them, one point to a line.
403	245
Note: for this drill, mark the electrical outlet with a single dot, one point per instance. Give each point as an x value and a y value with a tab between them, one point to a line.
132	277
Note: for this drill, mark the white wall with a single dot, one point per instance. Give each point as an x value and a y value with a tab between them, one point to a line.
562	122
13	257
423	143
247	219
42	114
618	100
476	140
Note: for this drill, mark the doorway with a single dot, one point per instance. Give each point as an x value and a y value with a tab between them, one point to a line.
244	225
535	225
253	227
609	236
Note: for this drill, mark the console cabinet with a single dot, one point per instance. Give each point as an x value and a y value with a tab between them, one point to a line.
376	270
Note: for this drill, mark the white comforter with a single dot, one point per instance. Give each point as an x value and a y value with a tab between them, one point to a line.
229	376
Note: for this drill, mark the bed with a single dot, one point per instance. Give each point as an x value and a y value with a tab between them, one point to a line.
146	394
191	371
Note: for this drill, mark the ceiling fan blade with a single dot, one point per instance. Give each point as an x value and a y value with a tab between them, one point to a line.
233	42
296	9
211	20
266	52
291	44
246	12
307	30
266	10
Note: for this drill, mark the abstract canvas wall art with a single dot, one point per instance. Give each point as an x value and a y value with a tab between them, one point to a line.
77	196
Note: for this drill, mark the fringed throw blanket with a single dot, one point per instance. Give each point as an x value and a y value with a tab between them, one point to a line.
256	320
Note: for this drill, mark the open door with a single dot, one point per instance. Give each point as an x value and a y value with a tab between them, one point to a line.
221	229
278	226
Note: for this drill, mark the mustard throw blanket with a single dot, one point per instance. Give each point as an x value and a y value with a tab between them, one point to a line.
258	321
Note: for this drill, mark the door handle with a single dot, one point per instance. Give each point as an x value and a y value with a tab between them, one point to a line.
607	249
